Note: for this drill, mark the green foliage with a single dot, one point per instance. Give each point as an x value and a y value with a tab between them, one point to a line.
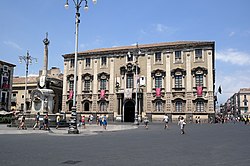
5	120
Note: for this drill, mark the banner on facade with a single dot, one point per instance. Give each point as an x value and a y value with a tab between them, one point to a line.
158	92
128	93
102	95
199	90
70	94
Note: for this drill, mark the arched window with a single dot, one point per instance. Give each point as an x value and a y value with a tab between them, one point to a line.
200	106
86	106
178	106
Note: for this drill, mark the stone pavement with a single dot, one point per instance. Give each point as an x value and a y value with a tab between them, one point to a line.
63	131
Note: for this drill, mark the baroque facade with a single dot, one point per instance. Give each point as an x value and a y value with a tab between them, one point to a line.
174	78
6	81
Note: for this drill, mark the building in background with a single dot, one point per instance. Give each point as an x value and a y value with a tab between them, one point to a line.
6	80
54	82
175	78
238	104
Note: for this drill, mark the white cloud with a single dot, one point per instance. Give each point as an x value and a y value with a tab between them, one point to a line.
161	28
233	56
231	34
13	45
158	28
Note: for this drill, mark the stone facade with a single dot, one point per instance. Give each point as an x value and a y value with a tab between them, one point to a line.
238	104
174	78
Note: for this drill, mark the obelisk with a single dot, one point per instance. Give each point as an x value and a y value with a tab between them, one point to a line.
45	63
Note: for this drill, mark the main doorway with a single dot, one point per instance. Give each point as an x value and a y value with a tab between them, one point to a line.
129	111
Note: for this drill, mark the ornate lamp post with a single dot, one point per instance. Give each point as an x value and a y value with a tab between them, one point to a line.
28	61
73	122
137	52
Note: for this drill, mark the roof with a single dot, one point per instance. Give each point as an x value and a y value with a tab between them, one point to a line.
8	64
144	46
30	79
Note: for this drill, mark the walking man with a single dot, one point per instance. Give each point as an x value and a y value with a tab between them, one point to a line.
166	119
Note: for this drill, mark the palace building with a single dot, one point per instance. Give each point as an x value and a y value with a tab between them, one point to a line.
173	78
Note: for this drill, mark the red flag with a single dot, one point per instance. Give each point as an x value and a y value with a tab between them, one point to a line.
102	94
199	90
70	94
158	92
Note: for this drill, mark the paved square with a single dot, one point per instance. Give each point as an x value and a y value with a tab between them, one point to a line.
202	145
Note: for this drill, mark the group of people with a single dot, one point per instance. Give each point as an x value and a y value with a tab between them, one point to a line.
181	122
100	120
41	125
45	122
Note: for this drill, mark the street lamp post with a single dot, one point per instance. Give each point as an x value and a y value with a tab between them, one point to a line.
28	61
137	53
73	119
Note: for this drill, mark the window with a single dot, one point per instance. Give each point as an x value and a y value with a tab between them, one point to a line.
86	106
4	95
72	63
87	85
103	83
158	106
130	81
198	54
158	57
178	81
158	81
103	61
199	80
88	61
178	106
71	85
177	56
200	106
103	106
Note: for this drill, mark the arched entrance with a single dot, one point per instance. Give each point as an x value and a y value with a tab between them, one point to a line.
129	111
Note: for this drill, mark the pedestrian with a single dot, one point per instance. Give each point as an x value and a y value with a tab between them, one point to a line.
22	123
91	117
97	120
83	122
199	120
58	119
146	121
46	122
182	124
165	119
104	122
37	121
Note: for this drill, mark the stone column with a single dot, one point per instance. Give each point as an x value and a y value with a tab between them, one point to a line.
45	61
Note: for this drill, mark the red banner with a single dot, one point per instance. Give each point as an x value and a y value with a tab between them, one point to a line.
199	90
70	94
158	92
102	94
5	86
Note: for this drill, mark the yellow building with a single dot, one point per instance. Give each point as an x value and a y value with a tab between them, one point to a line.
174	78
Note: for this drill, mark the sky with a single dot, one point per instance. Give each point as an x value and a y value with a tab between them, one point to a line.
109	23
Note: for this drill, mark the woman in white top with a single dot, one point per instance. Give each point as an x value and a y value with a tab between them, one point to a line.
182	124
